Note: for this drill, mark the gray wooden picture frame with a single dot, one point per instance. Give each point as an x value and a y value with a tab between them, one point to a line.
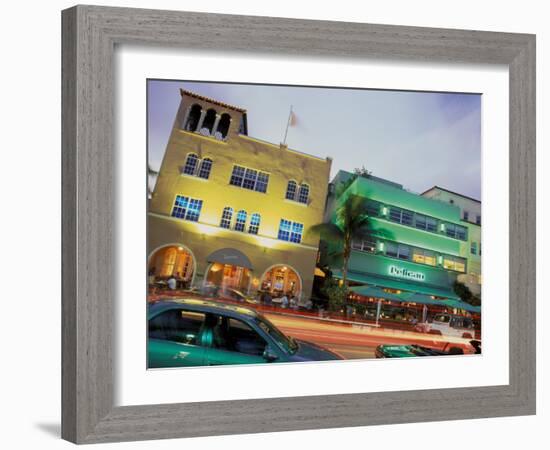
90	34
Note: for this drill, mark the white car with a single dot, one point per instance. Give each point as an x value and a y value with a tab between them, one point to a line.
449	325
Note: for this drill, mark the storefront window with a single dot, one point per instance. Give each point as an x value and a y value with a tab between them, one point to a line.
171	260
281	280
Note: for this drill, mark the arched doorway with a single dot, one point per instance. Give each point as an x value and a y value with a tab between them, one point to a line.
281	279
229	269
172	260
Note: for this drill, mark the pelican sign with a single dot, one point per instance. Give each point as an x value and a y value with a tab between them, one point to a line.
401	272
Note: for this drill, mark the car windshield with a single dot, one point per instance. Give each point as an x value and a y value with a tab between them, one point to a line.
286	342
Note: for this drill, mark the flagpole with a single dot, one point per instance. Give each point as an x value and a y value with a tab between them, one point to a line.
287	124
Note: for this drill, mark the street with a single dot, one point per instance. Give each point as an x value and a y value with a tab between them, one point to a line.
355	341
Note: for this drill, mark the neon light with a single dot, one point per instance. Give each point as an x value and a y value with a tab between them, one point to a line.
401	272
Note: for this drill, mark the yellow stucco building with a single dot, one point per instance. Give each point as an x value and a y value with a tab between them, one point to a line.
232	211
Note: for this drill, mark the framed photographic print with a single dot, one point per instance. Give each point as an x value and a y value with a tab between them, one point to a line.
263	230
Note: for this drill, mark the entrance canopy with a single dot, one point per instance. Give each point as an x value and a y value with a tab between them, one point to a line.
230	256
408	297
399	285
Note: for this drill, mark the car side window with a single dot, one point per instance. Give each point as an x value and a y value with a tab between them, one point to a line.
176	325
442	318
236	336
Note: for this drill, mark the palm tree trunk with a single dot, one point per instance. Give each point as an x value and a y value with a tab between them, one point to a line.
347	252
345	272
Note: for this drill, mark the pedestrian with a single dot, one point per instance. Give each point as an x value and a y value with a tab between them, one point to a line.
293	302
284	301
172	283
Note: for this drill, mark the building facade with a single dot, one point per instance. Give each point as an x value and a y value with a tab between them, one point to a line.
421	246
470	213
232	211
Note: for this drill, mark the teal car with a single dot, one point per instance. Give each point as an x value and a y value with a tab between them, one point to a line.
195	332
408	351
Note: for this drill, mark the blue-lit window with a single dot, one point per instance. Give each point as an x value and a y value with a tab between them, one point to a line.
284	230
240	222
254	223
261	182
251	179
291	189
473	248
227	215
303	194
205	167
237	176
402	216
425	223
456	231
191	164
187	208
290	231
296	233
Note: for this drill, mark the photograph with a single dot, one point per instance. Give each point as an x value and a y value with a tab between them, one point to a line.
311	223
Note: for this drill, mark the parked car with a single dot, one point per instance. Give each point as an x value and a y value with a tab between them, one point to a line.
195	332
236	295
449	325
407	351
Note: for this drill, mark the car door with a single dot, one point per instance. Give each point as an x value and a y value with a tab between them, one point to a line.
233	341
173	339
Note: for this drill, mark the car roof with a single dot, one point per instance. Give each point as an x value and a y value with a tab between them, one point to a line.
201	305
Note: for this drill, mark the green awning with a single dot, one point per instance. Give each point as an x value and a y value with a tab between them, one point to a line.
384	282
408	297
372	291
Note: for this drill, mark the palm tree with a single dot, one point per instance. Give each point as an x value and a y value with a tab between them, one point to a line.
351	221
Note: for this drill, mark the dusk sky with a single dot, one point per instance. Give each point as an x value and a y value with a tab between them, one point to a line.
416	139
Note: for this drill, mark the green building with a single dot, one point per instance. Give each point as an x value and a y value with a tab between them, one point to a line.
425	247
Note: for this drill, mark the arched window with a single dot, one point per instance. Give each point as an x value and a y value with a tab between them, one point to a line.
204	171
193	118
208	123
227	215
303	195
191	164
291	190
254	223
240	222
223	126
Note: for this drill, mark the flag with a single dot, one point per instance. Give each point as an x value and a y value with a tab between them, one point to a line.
292	120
